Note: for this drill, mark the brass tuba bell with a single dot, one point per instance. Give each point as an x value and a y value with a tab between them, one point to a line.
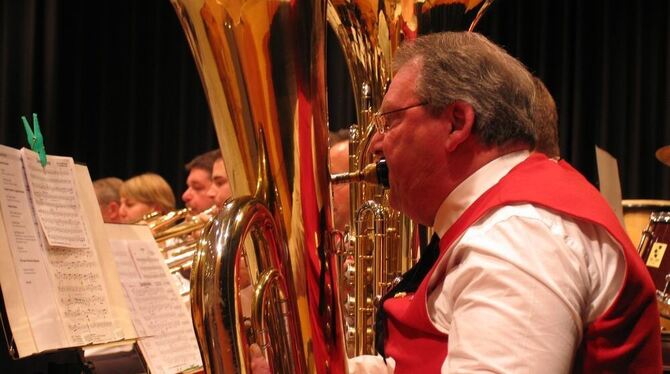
262	67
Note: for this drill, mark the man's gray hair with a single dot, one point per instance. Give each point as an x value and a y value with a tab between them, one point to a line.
546	121
107	189
467	66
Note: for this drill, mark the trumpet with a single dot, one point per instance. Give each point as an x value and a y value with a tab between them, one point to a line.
191	224
177	233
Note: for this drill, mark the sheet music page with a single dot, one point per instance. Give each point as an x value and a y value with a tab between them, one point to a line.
55	200
100	242
83	300
75	268
158	313
63	287
610	183
28	253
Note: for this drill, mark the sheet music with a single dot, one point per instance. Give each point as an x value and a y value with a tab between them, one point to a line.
63	288
55	200
157	309
83	301
28	252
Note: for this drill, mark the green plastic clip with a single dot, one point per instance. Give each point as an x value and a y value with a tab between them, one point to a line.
35	138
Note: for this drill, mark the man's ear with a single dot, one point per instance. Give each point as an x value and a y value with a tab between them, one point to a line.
461	116
113	209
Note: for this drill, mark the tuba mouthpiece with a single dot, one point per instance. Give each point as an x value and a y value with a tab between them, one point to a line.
376	173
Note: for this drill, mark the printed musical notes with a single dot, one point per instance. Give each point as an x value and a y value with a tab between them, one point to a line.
169	344
27	252
55	272
54	196
81	295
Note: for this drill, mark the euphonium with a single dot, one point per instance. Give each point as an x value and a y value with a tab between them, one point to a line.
262	67
382	242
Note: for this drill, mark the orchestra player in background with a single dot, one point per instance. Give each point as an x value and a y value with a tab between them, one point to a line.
109	199
219	191
144	194
198	182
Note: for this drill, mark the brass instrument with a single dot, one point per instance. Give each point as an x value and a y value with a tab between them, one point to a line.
262	67
374	173
157	224
381	242
189	224
177	233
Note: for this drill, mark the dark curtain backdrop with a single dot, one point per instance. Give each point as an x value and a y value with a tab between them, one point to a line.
115	86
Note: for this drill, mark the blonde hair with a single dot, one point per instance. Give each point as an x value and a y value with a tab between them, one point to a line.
149	188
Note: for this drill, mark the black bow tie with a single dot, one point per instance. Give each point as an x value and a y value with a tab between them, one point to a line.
409	283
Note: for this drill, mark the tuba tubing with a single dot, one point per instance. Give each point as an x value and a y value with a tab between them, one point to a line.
225	330
262	65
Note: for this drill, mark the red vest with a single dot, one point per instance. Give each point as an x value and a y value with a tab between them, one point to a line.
624	338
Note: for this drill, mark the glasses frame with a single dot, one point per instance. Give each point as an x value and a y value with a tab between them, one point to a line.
379	119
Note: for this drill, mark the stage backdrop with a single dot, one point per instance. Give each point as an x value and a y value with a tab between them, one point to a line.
115	86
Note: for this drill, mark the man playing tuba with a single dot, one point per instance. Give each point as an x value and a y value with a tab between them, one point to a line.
532	271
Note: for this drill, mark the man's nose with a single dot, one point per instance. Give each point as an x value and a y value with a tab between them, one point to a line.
376	145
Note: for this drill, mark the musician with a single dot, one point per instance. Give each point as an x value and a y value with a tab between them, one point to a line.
198	182
144	194
219	191
109	200
339	163
532	271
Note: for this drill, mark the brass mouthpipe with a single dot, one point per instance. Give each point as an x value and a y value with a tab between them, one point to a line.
147	218
189	225
176	263
376	173
169	219
185	228
178	249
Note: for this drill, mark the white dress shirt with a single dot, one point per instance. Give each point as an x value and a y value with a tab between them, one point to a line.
517	289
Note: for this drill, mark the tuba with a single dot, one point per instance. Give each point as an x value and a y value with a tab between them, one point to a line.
267	268
263	273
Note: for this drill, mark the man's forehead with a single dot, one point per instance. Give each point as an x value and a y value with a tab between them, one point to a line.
219	168
402	85
199	173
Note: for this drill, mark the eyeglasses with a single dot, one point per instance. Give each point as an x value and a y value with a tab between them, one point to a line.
382	124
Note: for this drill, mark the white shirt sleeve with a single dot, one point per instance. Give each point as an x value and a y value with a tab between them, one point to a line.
520	287
368	364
